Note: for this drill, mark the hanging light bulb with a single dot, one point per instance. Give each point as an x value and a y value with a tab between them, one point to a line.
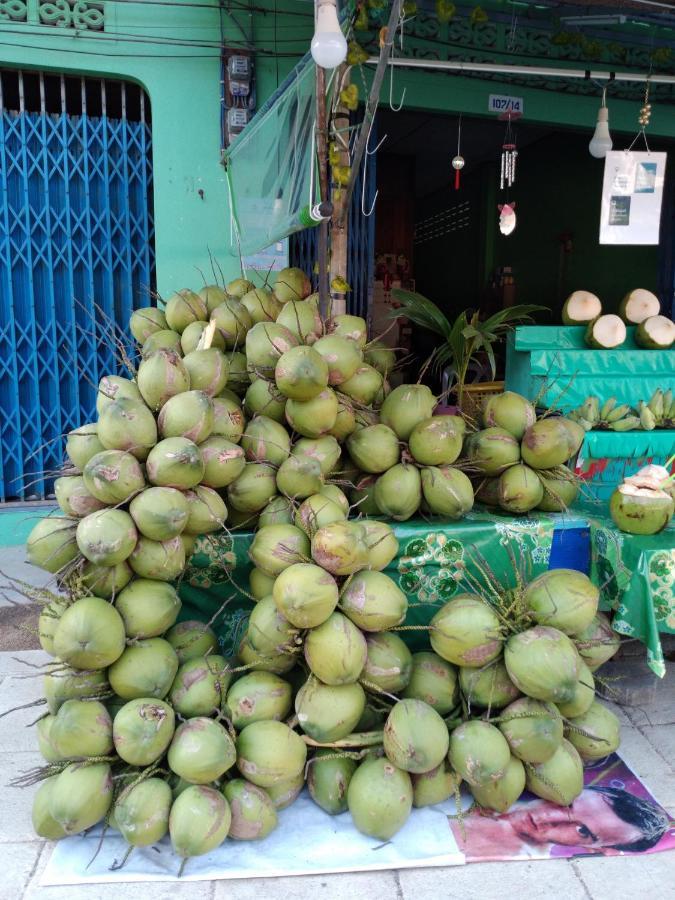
329	47
601	142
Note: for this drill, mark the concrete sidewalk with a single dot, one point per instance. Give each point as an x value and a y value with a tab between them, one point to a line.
648	747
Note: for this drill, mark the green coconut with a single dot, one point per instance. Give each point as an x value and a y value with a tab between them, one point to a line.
340	548
566	599
435	786
374	449
90	634
639	305
115	387
113	476
328	780
162	340
239	378
353	328
559	493
82	728
520	489
146	321
305	594
301	373
163	560
266	343
543	663
263	398
345	421
253	489
142	730
329	712
233	321
81	796
188	541
193	336
596	733
82	443
501	794
560	779
580	308
315	512
201	750
398	492
325	450
253	813
49	620
479	752
576	435
159	513
200	685
270	752
489	687
546	444
269	632
106	581
265	440
261	304
365	386
258	697
336	651
128	425
142	813
184	307
147	607
597	643
447	491
206	511
655	333
381	543
238	287
44	824
260	584
223	461
208	370
510	411
199	821
493	450
312	418
407	406
302	319
416	738
487	491
605	333
162	375
277	663
228	419
433	680
276	547
379	798
279	511
641	510
51	544
380	357
362	497
533	729
583	695
188	415
437	441
298	477
175	462
145	669
466	632
291	284
373	601
192	639
388	663
73	498
62	683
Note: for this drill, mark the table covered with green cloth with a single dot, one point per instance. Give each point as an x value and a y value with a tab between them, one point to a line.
436	560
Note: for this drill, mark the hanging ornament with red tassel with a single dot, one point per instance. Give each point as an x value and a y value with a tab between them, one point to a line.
458	160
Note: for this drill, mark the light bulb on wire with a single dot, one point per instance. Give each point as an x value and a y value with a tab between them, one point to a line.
601	142
329	47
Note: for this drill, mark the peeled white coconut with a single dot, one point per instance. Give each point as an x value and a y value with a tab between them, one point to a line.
639	305
653	477
656	333
606	332
581	307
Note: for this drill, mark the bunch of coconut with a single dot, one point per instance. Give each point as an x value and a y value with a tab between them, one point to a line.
644	503
519	461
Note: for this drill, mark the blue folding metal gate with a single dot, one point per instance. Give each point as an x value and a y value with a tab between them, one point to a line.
76	256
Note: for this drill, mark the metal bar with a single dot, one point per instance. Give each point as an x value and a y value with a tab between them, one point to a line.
452	65
321	151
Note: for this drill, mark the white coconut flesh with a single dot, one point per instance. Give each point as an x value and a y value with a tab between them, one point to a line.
660	330
582	306
632	490
653	478
640	305
609	331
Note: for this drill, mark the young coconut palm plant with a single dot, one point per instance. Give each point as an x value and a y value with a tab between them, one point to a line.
466	337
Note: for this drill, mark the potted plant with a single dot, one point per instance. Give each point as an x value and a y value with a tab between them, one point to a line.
465	340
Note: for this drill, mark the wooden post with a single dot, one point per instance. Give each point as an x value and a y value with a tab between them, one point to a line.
339	235
322	165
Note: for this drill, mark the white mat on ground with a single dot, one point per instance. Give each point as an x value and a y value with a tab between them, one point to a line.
306	842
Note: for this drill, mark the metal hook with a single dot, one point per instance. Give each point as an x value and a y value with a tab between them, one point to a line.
391	88
365	171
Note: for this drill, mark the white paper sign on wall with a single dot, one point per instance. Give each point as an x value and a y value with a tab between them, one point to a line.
632	194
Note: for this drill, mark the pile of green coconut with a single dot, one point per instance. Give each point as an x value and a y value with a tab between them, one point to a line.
246	410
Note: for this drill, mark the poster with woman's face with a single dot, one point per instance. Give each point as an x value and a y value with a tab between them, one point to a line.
615	814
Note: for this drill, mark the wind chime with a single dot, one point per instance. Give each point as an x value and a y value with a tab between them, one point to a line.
458	160
507	178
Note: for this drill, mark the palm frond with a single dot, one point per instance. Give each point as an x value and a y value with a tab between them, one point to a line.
421	311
